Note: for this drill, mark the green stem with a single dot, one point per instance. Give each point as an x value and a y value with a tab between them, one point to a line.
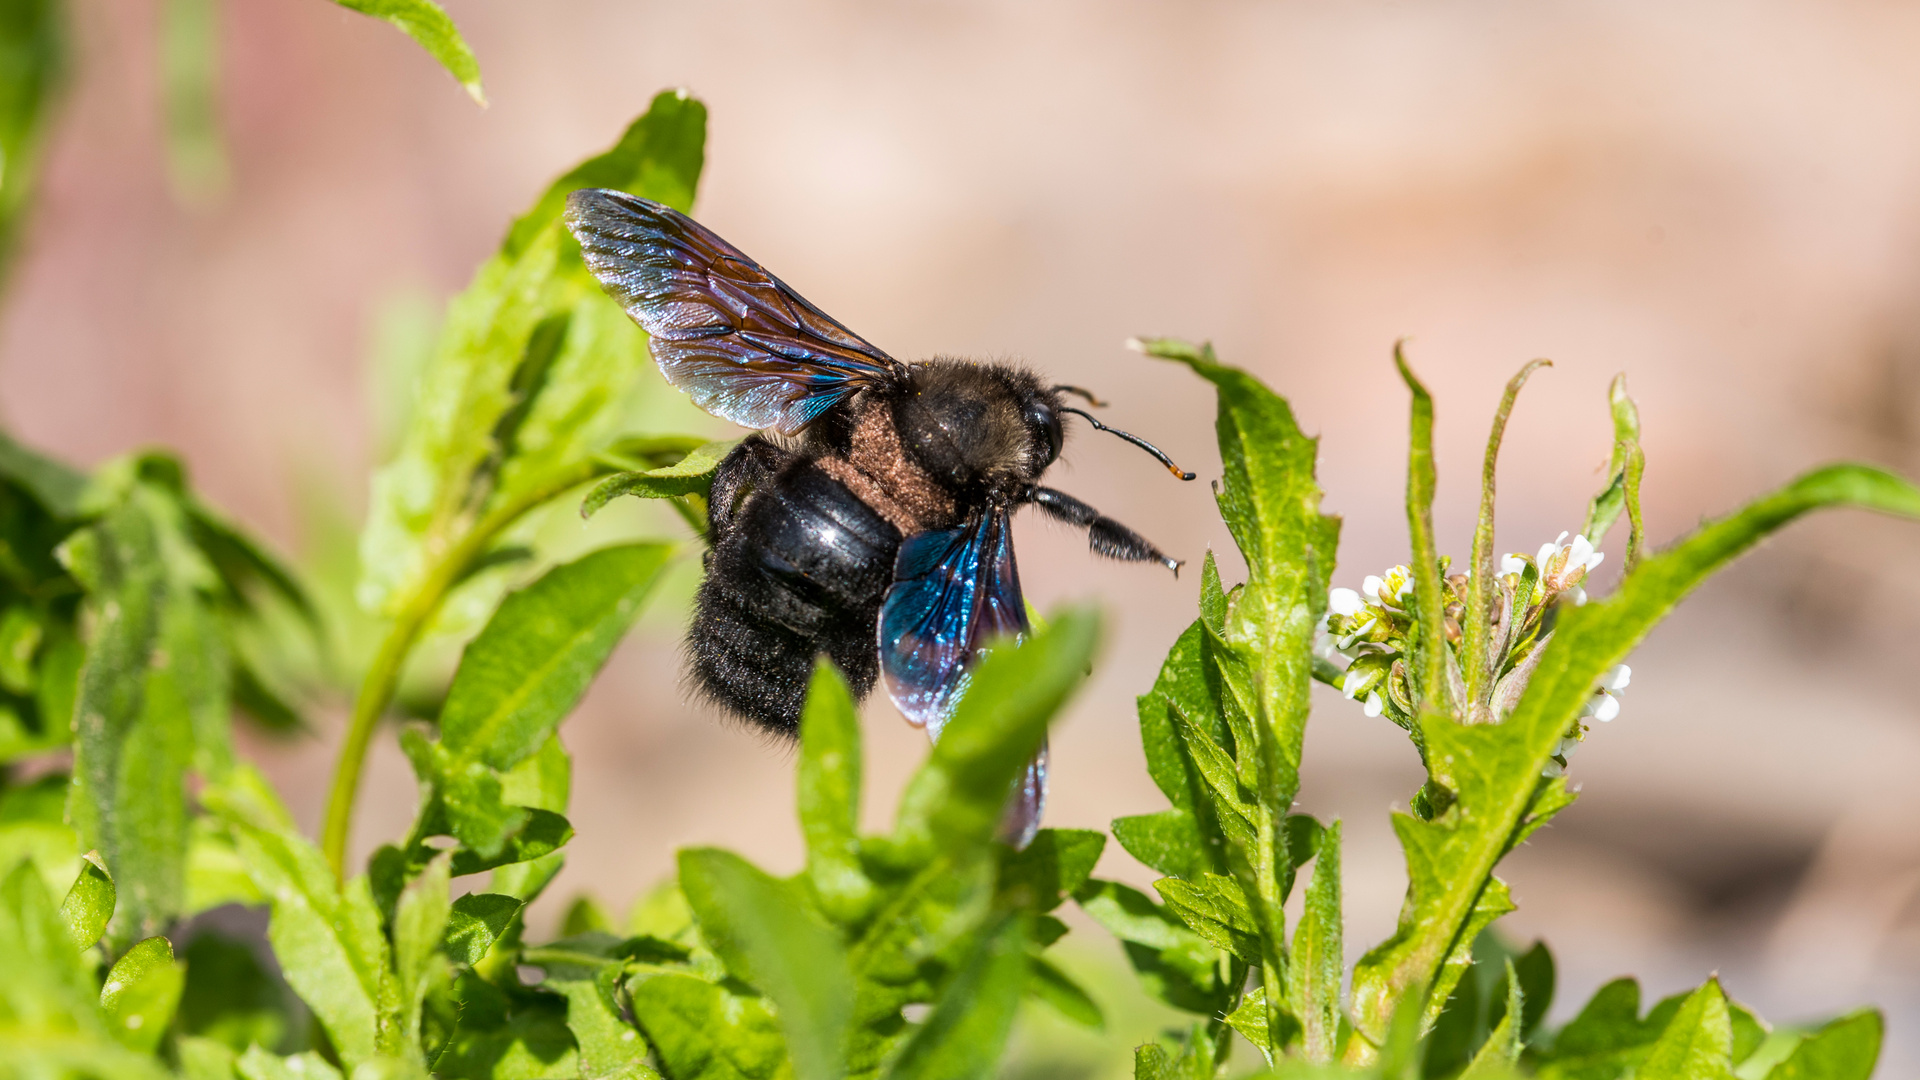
383	675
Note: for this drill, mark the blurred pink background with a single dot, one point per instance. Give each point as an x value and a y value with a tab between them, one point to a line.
1721	199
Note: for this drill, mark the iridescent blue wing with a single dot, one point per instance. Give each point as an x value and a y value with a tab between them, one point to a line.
743	345
953	590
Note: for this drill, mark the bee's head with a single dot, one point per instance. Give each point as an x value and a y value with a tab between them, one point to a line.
979	429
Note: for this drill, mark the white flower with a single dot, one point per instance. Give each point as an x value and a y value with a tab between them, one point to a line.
1371	586
1345	602
1512	564
1567	747
1617	679
1577	594
1374	704
1548	551
1553	769
1602	706
1580	553
1350	686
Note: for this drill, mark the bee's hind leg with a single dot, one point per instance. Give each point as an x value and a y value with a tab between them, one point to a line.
1104	535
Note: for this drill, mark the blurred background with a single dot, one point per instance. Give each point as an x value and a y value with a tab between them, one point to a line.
1722	200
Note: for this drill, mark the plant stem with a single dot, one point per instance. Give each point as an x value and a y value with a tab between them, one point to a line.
383	675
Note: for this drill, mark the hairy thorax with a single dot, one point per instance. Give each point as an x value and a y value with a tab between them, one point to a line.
877	469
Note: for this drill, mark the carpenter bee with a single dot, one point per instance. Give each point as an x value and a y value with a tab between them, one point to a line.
873	506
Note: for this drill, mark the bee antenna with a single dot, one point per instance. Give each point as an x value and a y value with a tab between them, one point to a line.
1077	391
1136	440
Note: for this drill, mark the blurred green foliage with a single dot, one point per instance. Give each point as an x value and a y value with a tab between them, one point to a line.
136	621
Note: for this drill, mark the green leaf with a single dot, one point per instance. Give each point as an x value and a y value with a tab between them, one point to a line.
765	934
152	701
692	474
420	923
1215	908
703	1032
1498	1054
1175	964
89	903
1318	964
1619	495
517	680
1270	501
539	652
963	1036
427	23
1429	647
956	800
1057	988
47	988
659	157
1845	1049
1170	841
327	937
206	1059
141	993
1697	1044
476	922
1041	876
610	1048
529	381
1480	573
828	786
33	37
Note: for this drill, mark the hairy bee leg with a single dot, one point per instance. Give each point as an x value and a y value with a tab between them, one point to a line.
1104	535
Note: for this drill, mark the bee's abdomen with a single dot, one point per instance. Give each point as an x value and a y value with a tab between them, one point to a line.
800	570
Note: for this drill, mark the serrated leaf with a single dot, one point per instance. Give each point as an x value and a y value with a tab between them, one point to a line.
1175	964
152	701
141	993
1318	964
610	1048
1845	1049
327	937
428	24
1215	908
419	931
476	922
1497	1055
956	800
517	680
1039	877
1170	841
702	1032
692	474
766	935
828	787
1697	1043
964	1034
89	903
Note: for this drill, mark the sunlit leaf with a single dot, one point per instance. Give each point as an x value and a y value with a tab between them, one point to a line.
828	787
141	992
428	23
89	904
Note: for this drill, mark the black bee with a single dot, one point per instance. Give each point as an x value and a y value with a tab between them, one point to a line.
876	506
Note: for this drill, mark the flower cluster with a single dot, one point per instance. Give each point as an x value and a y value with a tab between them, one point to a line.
1373	630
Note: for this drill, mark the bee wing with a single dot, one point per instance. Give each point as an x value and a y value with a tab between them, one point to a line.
953	589
738	340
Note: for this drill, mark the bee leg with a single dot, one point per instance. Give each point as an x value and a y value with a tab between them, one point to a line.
1104	535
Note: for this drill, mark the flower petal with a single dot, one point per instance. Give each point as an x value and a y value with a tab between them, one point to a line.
1344	602
1374	704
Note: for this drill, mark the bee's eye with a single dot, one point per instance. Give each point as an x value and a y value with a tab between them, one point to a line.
1046	428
